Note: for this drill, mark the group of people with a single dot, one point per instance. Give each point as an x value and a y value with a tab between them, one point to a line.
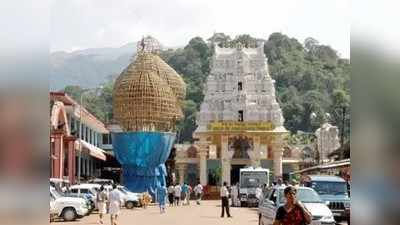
292	212
109	203
182	193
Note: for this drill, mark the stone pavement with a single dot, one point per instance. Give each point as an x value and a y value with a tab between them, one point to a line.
208	213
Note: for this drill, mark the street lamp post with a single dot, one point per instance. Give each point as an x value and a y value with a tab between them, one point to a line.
342	128
342	132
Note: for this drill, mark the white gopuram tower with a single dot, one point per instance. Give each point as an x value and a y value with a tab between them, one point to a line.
239	88
240	121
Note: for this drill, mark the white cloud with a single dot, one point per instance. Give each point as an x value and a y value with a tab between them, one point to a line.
104	23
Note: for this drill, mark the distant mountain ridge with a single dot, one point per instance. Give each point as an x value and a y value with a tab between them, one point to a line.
88	68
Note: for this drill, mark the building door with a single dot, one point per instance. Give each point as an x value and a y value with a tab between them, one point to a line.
235	173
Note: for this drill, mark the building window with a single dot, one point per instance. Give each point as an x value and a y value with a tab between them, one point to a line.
107	139
86	133
240	119
78	126
72	121
240	86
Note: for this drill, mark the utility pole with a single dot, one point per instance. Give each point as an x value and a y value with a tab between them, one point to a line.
342	133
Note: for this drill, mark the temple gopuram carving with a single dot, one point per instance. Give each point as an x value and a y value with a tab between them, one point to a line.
240	122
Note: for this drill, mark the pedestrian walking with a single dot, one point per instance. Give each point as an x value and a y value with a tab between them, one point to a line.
198	190
101	201
171	192
280	183
177	194
190	190
115	204
293	212
259	193
185	190
235	195
224	193
161	197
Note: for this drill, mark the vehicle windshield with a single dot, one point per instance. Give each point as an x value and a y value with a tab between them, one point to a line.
55	194
304	195
123	190
252	179
331	188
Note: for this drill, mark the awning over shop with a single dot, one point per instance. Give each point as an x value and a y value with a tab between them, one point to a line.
91	150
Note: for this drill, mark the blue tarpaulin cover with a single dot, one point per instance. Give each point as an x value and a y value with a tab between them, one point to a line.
142	156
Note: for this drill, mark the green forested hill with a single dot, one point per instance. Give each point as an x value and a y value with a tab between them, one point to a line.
310	78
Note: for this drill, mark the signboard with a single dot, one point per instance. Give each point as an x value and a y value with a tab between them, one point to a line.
240	126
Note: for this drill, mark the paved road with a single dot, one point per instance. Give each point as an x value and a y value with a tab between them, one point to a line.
208	213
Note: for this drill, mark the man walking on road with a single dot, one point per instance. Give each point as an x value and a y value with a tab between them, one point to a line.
171	192
198	190
178	192
102	199
115	204
161	197
185	193
224	193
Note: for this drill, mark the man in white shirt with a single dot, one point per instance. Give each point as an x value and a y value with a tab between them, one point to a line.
115	199
235	195
198	190
224	193
280	183
178	192
171	193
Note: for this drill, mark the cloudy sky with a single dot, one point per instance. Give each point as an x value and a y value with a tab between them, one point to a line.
80	24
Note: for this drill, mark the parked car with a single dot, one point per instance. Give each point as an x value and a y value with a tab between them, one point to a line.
101	181
87	197
67	208
131	199
86	190
334	190
59	184
275	198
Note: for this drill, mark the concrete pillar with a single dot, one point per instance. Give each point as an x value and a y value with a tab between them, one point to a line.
88	166
226	171
277	149
71	161
202	153
225	161
59	156
255	160
203	167
84	165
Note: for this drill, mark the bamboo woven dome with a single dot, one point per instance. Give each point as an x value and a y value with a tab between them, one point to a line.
143	100
174	81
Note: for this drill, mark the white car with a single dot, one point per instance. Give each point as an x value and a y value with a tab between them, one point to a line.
67	208
131	199
88	189
59	184
311	200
